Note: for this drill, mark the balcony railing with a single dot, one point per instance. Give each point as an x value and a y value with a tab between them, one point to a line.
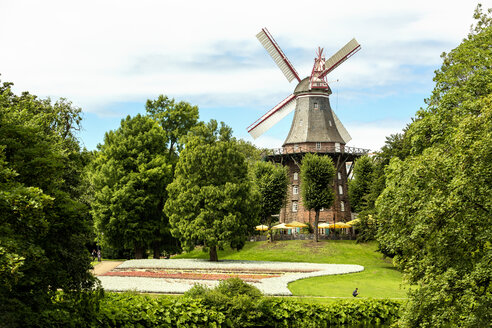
327	149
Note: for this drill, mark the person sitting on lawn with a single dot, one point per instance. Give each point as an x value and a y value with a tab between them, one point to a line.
355	293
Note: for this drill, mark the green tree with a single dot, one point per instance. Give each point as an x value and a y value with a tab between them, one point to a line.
271	181
43	226
396	145
130	175
176	119
317	174
360	185
435	213
211	198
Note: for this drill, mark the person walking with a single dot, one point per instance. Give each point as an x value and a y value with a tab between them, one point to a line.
99	255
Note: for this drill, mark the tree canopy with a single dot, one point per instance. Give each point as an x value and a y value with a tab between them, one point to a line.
317	174
130	176
360	185
271	181
436	210
210	200
43	224
175	118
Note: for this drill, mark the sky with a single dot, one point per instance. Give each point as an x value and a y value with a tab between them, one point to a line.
109	57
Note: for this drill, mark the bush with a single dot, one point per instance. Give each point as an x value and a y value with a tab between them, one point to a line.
367	226
232	303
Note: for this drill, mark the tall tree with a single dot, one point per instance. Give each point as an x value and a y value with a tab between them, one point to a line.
436	209
271	181
210	200
130	176
360	185
43	226
317	174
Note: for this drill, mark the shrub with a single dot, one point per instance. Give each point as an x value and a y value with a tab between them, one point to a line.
232	303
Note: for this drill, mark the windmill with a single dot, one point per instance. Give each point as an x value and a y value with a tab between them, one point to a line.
315	127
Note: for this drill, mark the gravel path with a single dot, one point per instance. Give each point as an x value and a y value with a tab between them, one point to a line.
269	286
105	266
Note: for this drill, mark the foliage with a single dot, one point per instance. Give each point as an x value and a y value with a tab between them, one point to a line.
233	297
317	174
360	185
367	227
250	151
213	308
369	176
43	223
271	181
435	213
205	310
176	119
211	200
129	175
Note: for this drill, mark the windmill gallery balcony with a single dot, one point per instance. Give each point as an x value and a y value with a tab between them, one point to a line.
316	148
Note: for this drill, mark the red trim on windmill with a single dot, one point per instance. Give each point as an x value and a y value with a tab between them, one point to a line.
316	81
272	111
284	57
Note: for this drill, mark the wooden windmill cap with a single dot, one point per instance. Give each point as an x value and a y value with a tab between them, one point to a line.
303	87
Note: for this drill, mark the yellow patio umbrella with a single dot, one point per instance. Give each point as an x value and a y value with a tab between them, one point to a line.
261	227
354	221
339	225
295	224
323	225
280	226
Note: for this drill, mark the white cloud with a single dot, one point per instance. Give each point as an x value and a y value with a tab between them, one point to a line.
266	141
102	51
372	135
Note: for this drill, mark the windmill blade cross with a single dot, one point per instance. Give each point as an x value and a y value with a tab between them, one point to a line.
273	116
278	56
340	56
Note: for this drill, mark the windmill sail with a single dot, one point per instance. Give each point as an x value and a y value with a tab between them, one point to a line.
277	55
342	55
341	129
272	116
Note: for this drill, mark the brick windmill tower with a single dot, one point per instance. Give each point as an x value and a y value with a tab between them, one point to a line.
315	129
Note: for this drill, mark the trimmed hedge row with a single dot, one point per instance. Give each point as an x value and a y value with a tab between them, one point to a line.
233	303
133	310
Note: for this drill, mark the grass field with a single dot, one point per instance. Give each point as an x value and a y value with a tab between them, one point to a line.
378	280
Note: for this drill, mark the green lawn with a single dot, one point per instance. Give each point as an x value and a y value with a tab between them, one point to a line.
379	279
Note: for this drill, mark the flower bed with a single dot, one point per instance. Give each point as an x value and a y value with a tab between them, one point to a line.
177	276
190	275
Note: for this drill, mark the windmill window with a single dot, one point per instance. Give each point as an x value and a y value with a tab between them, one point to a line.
318	146
340	189
315	105
294	206
339	176
296	176
300	122
342	206
296	147
329	121
295	190
337	147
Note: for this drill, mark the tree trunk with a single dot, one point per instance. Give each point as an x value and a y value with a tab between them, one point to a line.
139	252
157	250
316	218
270	231
213	254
